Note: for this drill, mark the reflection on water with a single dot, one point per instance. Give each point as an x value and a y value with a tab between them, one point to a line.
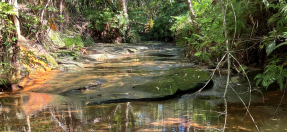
45	112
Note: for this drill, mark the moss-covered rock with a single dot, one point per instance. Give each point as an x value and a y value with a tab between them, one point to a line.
52	61
174	81
55	38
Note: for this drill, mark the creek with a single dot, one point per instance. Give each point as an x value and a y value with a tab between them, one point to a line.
101	92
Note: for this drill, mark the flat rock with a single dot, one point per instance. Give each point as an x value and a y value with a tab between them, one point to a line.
146	75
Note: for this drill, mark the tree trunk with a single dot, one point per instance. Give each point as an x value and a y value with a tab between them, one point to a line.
120	4
16	49
192	16
123	7
62	5
11	55
125	11
66	14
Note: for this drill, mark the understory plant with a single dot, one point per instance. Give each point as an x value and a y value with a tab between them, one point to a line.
273	72
106	23
8	44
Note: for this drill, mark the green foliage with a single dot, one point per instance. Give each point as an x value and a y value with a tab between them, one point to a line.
134	37
88	41
120	22
7	26
75	41
182	29
99	20
272	73
7	38
270	42
137	19
31	24
7	9
202	55
162	27
270	47
209	43
280	18
4	69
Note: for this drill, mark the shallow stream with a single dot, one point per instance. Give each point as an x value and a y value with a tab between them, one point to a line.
52	102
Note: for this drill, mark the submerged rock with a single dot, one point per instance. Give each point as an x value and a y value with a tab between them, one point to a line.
175	81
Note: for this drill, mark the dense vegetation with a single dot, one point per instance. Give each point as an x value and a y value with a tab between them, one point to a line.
251	32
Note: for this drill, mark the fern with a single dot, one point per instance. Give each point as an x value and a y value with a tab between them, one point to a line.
273	73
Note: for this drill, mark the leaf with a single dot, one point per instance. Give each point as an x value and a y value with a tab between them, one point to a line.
54	27
266	3
197	54
280	82
196	35
270	47
281	44
258	76
258	81
261	46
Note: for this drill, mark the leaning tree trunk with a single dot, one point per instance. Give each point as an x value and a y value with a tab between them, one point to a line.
123	7
193	23
192	16
62	7
196	29
125	11
12	55
15	71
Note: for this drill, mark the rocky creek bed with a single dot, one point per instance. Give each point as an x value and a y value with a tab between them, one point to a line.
122	72
131	88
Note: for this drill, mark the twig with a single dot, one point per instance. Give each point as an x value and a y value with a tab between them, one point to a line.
210	77
246	108
42	14
247	80
235	22
254	90
228	59
225	117
280	101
